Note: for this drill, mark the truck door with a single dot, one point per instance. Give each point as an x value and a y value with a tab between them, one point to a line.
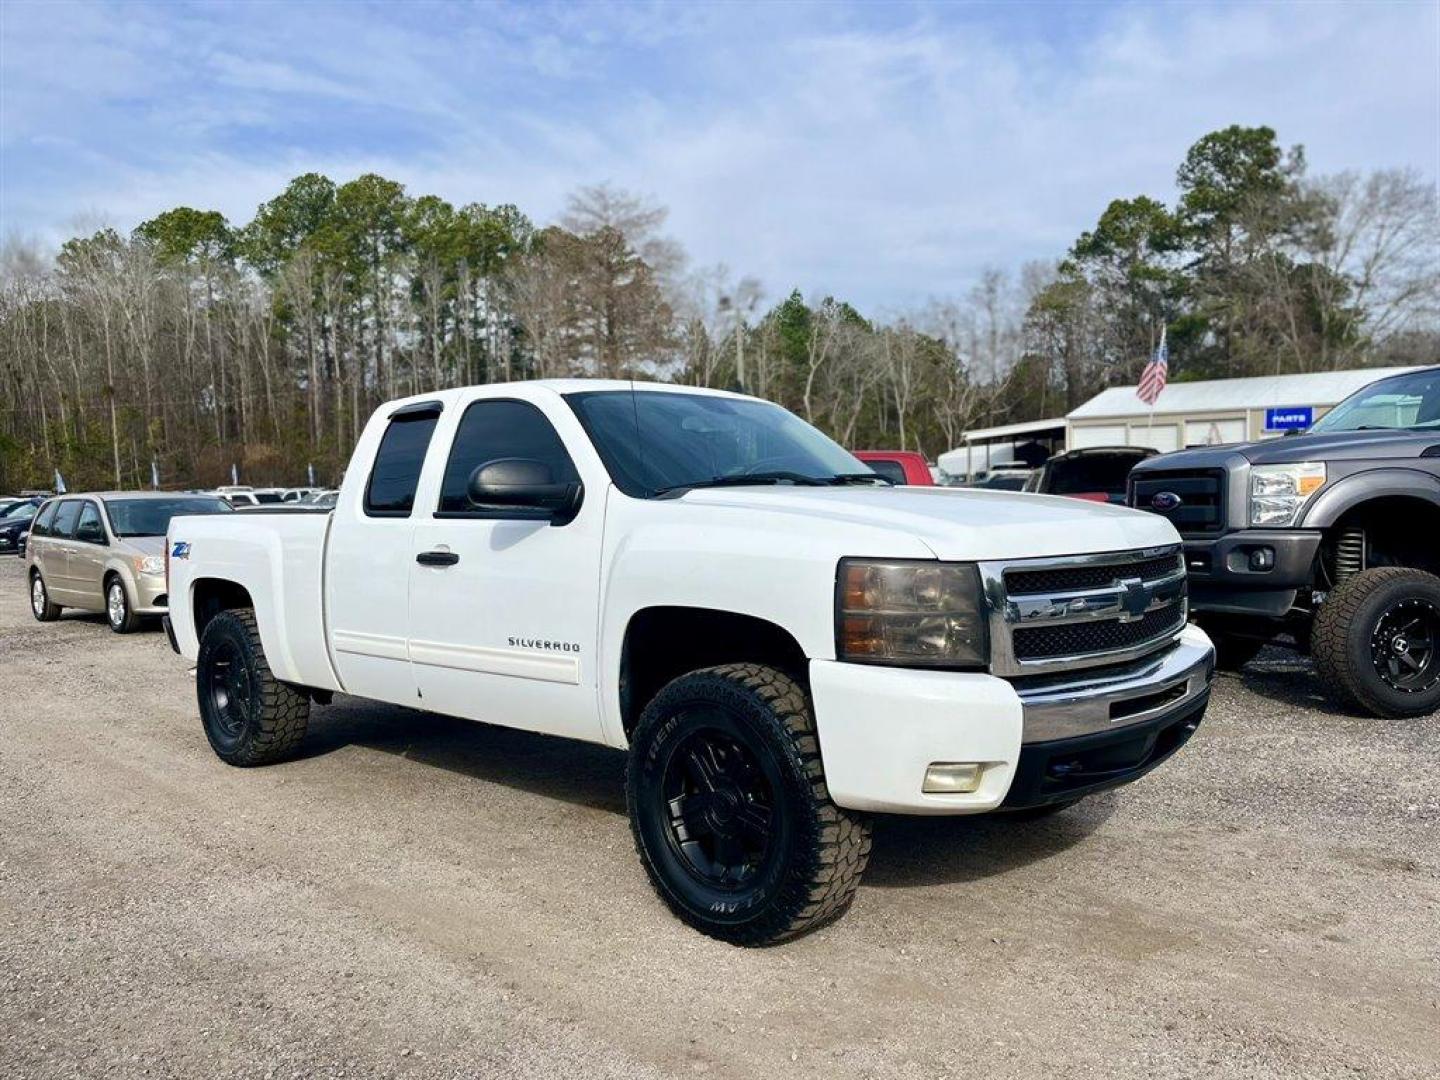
503	604
368	559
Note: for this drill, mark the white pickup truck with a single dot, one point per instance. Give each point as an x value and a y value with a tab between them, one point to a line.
783	642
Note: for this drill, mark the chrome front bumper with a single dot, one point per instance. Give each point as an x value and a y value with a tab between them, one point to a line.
1085	703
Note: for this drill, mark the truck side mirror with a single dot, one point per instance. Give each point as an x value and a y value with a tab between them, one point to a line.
525	484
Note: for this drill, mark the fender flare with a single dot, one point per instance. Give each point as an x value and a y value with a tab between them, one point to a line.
1336	501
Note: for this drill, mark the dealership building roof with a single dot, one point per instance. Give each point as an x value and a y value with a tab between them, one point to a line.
1222	395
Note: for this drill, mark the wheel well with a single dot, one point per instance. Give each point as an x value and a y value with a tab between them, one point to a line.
211	596
662	643
1398	531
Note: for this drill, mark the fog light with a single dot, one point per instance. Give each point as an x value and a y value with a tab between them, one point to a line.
952	777
1262	558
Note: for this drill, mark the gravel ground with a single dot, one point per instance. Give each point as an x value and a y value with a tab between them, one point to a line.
417	896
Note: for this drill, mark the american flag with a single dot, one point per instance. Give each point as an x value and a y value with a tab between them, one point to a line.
1152	379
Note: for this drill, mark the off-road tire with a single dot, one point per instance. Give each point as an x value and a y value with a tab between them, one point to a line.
820	851
43	610
1341	640
126	621
272	721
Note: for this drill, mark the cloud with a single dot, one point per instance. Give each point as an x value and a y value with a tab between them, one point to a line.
881	153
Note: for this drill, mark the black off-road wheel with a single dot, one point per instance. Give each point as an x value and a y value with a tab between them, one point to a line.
250	717
118	612
1376	642
40	605
730	812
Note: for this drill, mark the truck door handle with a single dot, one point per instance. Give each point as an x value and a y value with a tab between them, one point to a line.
437	558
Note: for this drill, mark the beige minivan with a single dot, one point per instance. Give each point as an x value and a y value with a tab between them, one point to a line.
105	551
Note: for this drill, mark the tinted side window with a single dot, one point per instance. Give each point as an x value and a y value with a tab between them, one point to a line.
500	429
91	530
65	518
391	490
43	520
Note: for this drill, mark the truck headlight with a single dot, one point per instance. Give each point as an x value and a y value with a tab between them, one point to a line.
149	564
910	613
1279	492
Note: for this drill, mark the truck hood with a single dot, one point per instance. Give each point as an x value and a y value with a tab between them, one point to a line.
1321	446
955	524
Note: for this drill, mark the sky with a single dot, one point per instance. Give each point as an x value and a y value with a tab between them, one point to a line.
885	153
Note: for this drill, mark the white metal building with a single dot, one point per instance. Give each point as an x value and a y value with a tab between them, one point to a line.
985	448
1213	411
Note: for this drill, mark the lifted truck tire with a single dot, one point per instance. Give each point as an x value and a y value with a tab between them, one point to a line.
730	812
1376	642
250	717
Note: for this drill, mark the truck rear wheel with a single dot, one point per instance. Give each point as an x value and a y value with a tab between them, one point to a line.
250	717
730	812
1376	642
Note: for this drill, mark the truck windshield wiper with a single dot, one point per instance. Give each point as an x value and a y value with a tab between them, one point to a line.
746	480
859	478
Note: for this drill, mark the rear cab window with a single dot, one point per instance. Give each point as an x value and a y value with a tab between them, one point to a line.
889	468
390	491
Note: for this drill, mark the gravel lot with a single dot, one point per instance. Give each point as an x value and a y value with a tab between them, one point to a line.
425	897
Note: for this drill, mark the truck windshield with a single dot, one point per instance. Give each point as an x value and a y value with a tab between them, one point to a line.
653	441
151	517
1403	403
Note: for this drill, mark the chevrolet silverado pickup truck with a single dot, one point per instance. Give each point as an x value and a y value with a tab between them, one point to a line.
781	641
1330	538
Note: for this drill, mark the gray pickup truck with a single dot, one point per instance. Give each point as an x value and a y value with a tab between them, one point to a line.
1329	538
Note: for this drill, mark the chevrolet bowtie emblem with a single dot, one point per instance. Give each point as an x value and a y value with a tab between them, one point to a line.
1135	599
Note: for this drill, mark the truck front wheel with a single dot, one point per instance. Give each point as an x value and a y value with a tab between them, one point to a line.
1376	641
250	717
730	812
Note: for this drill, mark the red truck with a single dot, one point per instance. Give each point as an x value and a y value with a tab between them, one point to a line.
899	466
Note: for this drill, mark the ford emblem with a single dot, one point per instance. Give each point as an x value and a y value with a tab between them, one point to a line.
1164	501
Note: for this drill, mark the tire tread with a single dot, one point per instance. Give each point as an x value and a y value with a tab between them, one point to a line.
824	889
1338	667
283	714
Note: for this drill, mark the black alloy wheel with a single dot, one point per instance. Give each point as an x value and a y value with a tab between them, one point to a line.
1404	646
721	798
231	690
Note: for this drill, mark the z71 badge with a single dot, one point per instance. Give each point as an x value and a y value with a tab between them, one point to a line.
181	550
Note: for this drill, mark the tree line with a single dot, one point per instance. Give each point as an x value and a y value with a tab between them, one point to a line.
193	344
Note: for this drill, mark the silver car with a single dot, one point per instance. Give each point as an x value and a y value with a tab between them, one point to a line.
105	551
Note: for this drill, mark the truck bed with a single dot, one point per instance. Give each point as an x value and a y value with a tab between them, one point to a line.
278	556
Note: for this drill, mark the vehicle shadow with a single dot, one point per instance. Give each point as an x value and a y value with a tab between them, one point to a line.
1284	676
908	851
911	851
581	773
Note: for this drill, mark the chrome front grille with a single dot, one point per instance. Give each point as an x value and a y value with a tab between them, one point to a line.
1082	610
